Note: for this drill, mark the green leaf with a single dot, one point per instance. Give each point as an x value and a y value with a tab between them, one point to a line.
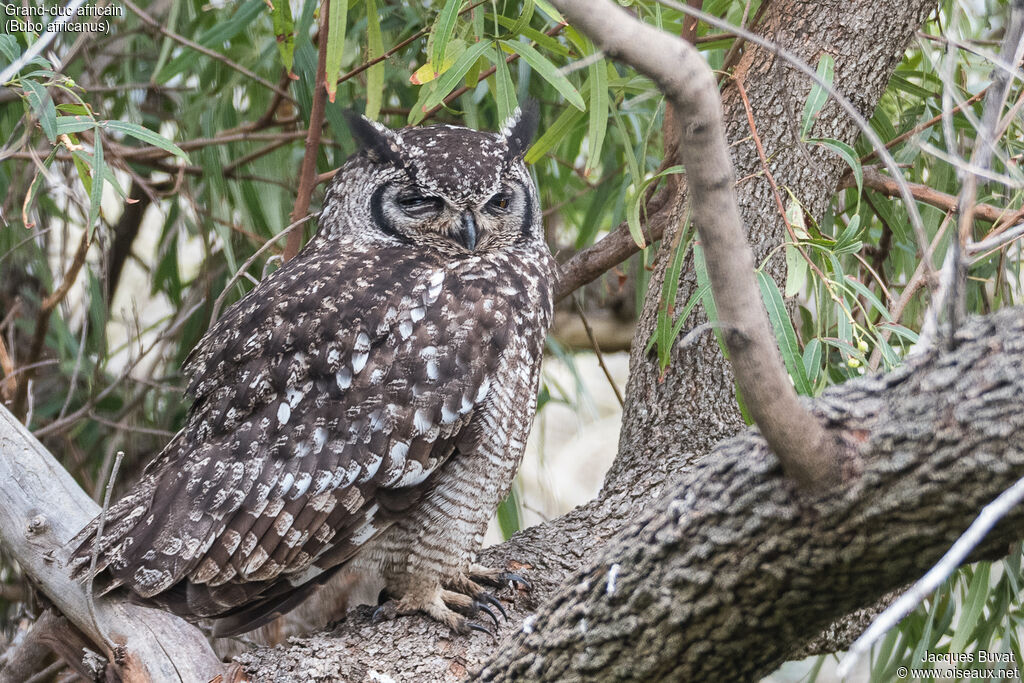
524	19
442	31
548	9
818	96
42	107
812	361
784	333
508	514
598	111
375	74
145	135
284	30
547	71
796	270
337	24
848	155
863	290
9	47
504	88
450	78
74	124
555	133
214	38
98	172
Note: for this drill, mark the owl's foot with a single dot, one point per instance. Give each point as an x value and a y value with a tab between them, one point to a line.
453	609
498	578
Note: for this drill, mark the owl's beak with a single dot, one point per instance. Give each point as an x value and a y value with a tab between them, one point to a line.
467	235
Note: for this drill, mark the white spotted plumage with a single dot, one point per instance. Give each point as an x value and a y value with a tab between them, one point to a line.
380	382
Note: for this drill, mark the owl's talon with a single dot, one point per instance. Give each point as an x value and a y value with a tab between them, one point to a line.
513	579
483	607
477	626
487	597
385	612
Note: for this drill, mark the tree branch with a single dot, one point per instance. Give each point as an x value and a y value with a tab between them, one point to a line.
808	453
41	509
307	173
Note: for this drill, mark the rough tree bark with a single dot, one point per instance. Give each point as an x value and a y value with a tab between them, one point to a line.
670	422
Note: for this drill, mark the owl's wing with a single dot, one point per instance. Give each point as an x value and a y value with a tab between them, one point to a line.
324	403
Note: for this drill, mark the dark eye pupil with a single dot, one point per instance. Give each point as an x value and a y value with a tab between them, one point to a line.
500	201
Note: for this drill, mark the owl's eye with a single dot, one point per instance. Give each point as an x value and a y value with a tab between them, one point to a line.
499	203
418	205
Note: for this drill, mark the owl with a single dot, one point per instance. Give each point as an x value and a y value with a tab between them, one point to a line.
362	410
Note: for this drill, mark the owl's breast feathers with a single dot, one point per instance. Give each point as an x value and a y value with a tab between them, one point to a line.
325	400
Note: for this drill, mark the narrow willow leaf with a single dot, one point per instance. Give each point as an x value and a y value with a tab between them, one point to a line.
145	135
784	333
451	77
443	28
504	88
524	19
214	38
555	133
549	9
812	361
74	124
848	155
508	514
42	107
818	96
375	74
337	24
598	111
546	70
872	298
284	30
98	172
796	271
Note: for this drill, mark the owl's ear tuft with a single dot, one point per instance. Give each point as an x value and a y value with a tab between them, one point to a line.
520	128
379	142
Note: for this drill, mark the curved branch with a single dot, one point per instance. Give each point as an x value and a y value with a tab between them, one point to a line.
807	452
41	508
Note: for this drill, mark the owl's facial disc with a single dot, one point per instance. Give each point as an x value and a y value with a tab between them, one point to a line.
492	219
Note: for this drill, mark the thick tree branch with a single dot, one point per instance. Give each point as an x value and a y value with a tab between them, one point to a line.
735	569
41	508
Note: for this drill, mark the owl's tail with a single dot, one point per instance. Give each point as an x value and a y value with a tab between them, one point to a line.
110	551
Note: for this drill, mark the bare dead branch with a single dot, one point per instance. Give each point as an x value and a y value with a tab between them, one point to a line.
41	509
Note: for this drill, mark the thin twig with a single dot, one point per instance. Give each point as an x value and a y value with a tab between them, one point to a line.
844	102
212	54
96	551
43	320
597	351
307	172
979	249
954	557
249	261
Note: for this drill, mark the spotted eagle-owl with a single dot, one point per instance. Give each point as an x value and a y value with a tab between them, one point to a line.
363	409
